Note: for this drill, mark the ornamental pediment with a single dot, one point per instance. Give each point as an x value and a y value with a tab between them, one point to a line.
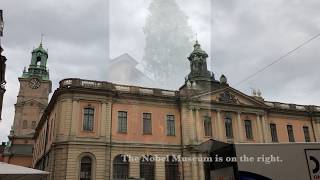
229	95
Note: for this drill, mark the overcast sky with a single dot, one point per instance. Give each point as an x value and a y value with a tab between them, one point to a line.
247	35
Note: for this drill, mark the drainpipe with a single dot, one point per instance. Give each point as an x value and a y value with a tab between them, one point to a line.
181	139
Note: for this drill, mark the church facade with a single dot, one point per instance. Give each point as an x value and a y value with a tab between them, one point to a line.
102	130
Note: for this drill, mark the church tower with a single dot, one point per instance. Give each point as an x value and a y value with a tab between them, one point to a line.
35	87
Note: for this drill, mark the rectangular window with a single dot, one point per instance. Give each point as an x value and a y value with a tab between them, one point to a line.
248	128
228	125
207	126
147	124
171	130
88	118
273	130
122	121
306	133
290	133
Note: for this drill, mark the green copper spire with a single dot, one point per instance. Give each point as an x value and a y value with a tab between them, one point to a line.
197	51
38	64
198	65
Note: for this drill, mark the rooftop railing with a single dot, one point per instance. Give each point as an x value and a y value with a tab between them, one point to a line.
72	82
292	106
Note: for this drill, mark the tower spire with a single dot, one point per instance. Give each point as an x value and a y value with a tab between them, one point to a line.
42	35
196	37
38	65
198	64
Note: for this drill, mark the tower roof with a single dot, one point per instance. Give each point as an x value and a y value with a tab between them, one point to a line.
38	65
40	49
197	51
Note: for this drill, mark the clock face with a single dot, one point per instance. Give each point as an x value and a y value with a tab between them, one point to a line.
34	83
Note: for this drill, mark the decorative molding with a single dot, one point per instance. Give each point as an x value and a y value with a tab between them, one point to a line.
227	97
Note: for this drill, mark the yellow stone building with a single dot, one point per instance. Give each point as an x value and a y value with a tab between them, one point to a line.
90	128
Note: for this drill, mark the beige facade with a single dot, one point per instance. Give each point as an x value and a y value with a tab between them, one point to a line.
93	122
60	130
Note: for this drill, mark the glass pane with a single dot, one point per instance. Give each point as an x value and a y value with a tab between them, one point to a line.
120	167
122	121
147	169
88	119
85	169
172	169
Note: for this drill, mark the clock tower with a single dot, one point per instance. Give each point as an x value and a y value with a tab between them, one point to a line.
32	99
35	87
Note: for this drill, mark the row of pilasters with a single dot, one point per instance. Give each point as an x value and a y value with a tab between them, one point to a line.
193	130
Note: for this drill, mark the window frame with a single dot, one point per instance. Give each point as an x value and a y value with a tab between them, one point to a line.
207	126
273	132
145	130
91	168
87	123
145	167
307	136
290	133
170	127
122	122
93	164
228	127
119	163
172	166
248	129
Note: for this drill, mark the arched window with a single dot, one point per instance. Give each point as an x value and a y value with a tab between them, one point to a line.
120	167
25	124
88	118
147	168
172	169
38	61
85	168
